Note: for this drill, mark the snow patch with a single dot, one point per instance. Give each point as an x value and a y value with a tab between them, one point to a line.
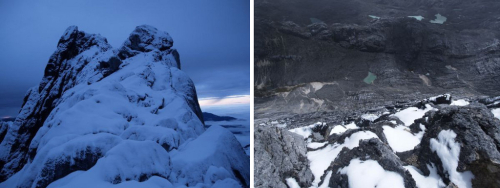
433	99
326	181
321	159
292	183
460	102
307	130
431	181
318	85
315	145
401	139
448	151
367	174
409	115
369	117
339	129
496	112
419	18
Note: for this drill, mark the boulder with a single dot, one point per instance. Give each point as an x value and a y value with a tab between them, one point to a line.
280	154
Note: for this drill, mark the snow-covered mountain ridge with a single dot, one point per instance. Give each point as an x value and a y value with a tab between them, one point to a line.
126	117
436	142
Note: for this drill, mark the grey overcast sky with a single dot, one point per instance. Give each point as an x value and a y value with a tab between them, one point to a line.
212	37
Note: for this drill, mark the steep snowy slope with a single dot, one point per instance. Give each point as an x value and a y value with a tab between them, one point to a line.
126	117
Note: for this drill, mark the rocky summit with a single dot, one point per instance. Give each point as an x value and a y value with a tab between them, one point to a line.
121	117
384	93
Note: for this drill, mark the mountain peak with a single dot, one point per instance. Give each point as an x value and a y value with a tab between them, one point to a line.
105	108
70	31
146	39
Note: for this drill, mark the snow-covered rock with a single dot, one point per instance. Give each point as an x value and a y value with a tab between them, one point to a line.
213	156
437	142
127	117
463	142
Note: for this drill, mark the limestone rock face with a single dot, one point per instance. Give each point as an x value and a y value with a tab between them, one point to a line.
280	154
338	43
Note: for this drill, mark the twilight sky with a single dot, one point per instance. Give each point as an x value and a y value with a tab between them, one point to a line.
212	37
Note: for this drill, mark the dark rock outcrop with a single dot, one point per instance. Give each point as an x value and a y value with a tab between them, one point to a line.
478	135
280	154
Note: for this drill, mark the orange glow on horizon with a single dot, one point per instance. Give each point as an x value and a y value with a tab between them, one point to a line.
229	100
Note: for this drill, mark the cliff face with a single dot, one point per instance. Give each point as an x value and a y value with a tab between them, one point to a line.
330	47
121	116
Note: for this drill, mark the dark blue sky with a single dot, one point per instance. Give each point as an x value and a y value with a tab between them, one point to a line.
212	37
